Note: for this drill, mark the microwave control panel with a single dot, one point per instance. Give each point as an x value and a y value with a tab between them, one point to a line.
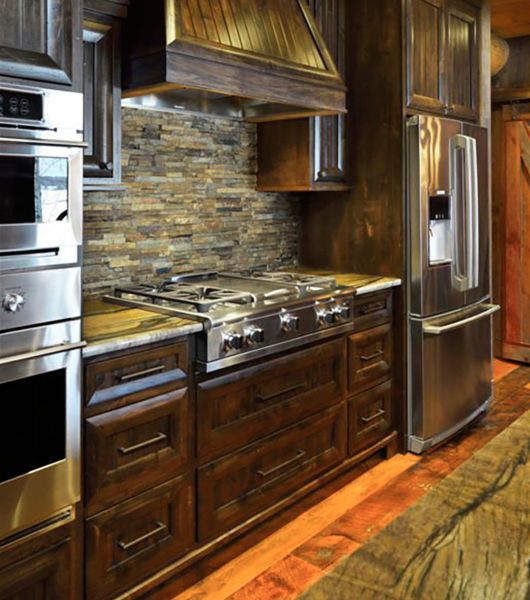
20	106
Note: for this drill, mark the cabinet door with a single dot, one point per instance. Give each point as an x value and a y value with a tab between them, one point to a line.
42	575
102	93
461	59
328	137
425	43
40	40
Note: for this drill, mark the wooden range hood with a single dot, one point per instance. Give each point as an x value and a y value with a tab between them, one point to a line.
259	60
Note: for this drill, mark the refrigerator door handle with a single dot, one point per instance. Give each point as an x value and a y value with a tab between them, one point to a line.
472	221
458	277
439	329
464	146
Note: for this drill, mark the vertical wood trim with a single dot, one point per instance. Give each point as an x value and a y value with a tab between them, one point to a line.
512	288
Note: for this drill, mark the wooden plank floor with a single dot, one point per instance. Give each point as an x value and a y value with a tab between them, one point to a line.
284	557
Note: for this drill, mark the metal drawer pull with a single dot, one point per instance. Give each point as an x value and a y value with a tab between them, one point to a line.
149	371
160	527
376	354
299	455
370	308
380	412
158	438
262	398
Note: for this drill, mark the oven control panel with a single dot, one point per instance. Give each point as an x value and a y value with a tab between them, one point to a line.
21	106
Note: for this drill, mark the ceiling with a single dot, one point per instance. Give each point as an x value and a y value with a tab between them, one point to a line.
510	18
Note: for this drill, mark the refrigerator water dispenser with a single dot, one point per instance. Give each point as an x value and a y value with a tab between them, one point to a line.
440	231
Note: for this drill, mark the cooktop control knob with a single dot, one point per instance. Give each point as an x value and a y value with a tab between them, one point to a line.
13	302
325	315
233	340
342	311
254	335
289	322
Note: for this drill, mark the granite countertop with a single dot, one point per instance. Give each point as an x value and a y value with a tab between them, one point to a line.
110	327
363	284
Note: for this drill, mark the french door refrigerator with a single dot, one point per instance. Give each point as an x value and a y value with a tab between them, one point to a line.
449	308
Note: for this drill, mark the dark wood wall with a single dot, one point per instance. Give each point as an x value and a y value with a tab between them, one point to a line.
362	230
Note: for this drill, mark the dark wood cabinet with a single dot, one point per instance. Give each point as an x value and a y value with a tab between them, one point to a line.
130	449
308	154
369	416
240	485
461	59
369	357
237	409
425	33
442	57
102	26
40	43
134	539
43	565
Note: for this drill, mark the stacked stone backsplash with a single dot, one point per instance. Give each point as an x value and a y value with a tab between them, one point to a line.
189	203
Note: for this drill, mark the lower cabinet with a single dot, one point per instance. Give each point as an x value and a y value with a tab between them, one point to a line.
369	417
45	566
240	485
134	539
175	467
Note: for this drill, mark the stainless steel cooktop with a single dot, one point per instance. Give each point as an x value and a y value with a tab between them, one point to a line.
248	315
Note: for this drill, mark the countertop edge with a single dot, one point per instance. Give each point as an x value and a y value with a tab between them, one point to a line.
134	341
376	286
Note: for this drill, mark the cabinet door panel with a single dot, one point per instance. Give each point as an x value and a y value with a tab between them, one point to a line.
369	417
425	43
102	92
237	409
130	449
461	59
39	39
369	357
234	488
134	539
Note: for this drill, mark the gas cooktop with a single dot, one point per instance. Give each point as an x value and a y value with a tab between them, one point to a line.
250	314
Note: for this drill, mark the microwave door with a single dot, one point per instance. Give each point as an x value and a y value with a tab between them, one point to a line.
433	203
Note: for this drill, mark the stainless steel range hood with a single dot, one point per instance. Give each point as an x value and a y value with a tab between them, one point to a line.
260	60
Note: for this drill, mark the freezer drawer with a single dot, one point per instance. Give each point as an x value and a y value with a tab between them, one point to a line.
449	373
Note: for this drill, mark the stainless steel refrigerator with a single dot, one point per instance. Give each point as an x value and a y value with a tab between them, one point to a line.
449	304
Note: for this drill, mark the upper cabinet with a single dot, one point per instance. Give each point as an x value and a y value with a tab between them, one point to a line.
308	154
442	57
102	21
40	43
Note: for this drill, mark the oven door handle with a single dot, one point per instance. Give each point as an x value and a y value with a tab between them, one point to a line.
64	347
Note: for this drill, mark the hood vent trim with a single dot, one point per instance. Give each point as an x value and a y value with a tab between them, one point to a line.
261	60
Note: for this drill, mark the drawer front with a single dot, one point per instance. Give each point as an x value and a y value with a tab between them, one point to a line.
136	376
369	417
134	539
237	409
369	357
234	488
133	448
372	310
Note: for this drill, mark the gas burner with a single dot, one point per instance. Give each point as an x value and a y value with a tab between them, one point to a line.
304	283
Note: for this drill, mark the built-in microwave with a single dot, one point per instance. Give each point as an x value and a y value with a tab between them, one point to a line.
41	170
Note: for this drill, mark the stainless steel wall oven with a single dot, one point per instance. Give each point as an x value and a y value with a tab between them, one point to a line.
41	162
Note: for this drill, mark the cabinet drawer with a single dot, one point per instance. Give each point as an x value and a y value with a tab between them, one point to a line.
369	357
136	376
237	409
234	488
372	310
132	448
134	539
369	417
